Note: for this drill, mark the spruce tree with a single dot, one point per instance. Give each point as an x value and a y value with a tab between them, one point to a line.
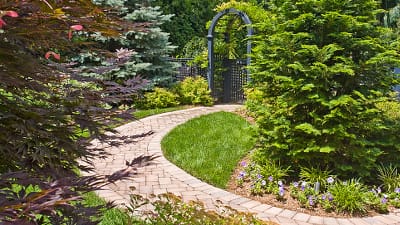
148	44
316	79
151	43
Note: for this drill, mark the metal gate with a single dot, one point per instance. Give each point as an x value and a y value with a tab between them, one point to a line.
229	78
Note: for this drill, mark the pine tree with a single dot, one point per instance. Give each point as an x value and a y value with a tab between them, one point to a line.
315	82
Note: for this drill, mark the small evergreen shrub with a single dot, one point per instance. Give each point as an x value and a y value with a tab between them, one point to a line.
194	91
160	98
316	79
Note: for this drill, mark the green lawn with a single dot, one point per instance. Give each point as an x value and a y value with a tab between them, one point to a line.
149	112
209	147
114	216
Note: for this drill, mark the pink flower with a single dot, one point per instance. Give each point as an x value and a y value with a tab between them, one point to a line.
76	27
72	28
51	53
11	13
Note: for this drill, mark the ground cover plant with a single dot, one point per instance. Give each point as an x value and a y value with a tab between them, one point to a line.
325	196
209	147
169	209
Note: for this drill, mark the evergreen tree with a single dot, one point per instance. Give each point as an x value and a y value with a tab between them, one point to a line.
189	21
149	46
316	79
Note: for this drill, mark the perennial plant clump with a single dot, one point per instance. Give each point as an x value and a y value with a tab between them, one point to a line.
349	197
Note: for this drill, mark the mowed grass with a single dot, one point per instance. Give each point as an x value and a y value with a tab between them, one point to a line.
149	112
209	147
114	216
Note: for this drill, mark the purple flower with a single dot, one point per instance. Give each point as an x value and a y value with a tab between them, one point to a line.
281	191
303	185
323	197
397	190
280	183
263	182
242	174
259	176
243	164
295	184
330	180
384	200
270	178
310	200
330	197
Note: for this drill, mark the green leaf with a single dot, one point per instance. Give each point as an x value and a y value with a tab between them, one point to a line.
327	149
308	87
308	129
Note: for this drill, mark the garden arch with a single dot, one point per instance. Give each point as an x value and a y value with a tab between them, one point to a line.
238	66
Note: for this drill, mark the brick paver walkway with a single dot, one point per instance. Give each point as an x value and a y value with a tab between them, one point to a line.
163	176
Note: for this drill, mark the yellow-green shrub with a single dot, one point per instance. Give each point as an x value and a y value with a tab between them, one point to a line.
160	98
194	91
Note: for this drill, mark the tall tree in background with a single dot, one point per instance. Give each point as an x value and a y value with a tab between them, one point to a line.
152	44
148	47
189	21
391	18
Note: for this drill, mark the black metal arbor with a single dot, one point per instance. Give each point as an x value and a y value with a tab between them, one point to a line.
236	75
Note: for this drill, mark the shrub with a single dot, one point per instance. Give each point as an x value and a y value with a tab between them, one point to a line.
195	91
321	72
160	98
265	177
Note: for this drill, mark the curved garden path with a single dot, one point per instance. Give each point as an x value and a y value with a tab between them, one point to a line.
163	176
